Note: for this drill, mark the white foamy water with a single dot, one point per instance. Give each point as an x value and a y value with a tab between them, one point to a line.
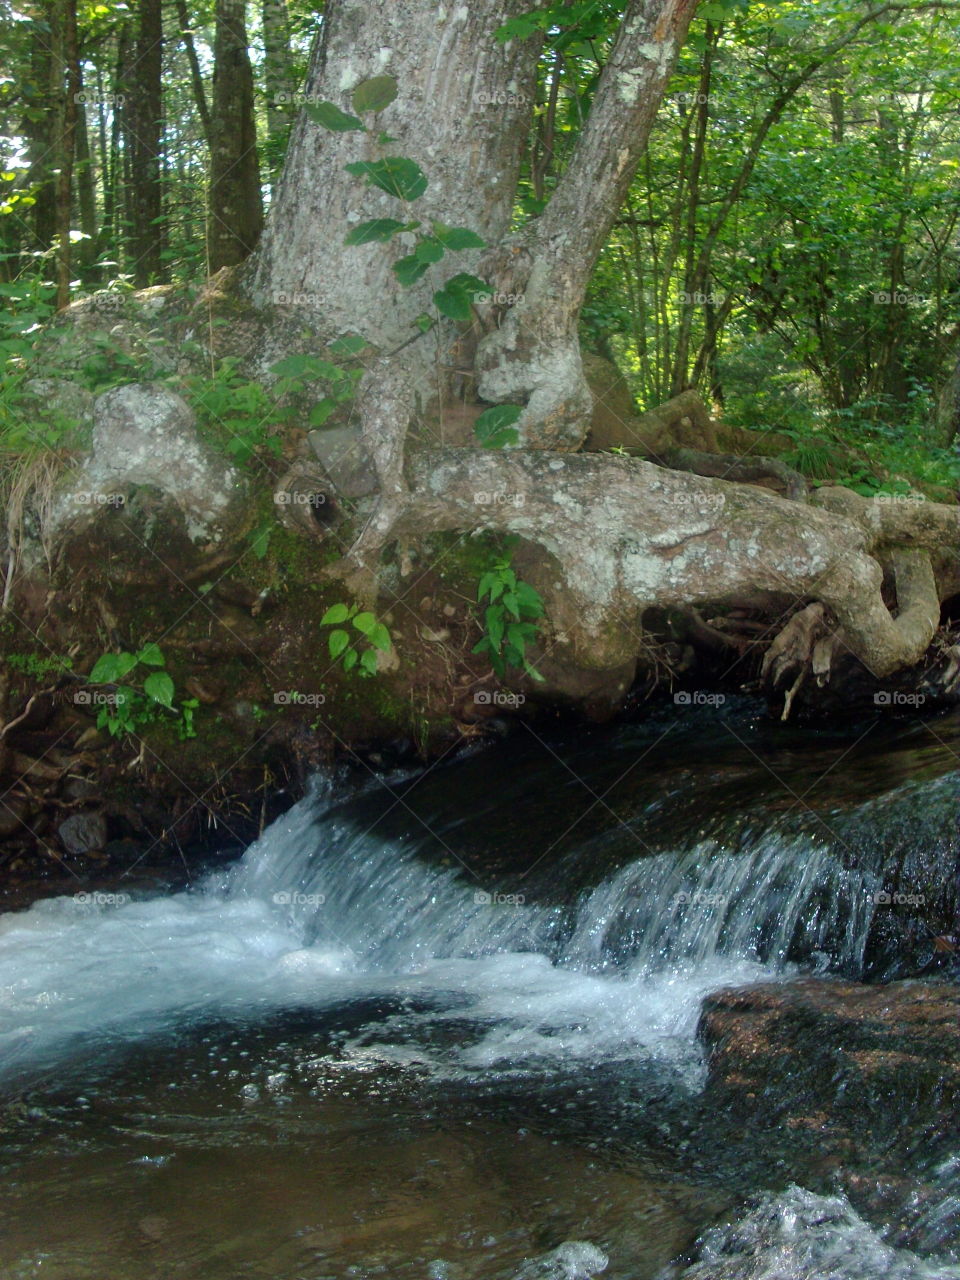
318	913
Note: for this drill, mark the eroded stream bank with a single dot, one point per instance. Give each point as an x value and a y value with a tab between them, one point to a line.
452	1024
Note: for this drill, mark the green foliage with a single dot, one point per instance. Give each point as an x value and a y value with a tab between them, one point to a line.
131	707
356	652
38	666
495	426
402	177
510	619
237	413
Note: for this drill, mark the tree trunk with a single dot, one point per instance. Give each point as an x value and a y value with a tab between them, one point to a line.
144	117
42	124
235	206
448	117
70	90
533	358
86	186
276	67
196	75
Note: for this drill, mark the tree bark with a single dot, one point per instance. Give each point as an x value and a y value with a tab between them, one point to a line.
235	206
144	118
276	67
533	358
70	90
450	71
196	75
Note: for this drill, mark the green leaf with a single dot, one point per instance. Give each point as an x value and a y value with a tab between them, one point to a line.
511	603
329	116
495	625
151	656
397	175
365	622
159	687
260	539
322	410
374	94
106	670
379	637
368	662
453	304
409	270
494	427
424	322
349	659
339	640
457	238
351	344
487	581
336	613
429	249
379	229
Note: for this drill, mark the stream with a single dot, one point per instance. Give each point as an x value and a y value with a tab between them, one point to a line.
442	1025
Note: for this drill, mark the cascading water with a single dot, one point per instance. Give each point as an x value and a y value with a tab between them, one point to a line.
317	911
338	964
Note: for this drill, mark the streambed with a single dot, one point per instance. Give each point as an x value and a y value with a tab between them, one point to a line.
445	1025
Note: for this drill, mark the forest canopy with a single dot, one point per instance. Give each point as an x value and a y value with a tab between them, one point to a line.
788	245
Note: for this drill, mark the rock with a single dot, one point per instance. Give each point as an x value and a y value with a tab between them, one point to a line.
868	1074
342	456
145	435
802	1236
83	833
572	1260
13	814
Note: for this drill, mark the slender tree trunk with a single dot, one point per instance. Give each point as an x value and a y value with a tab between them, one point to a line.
86	188
235	203
196	76
277	76
533	358
70	91
143	111
42	124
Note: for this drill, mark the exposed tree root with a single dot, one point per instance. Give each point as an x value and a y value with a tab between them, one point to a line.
624	535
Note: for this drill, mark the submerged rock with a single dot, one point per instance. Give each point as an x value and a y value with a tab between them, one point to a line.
870	1074
802	1236
572	1260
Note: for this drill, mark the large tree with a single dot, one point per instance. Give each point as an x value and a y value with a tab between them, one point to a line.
464	97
